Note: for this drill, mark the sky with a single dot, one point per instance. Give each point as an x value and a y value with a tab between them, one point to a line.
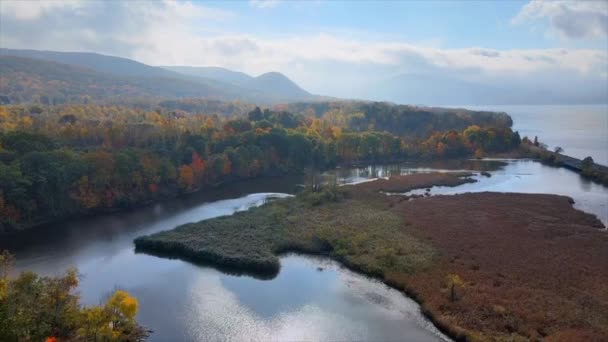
334	47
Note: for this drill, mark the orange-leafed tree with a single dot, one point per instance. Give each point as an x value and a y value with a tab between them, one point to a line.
227	166
186	177
7	211
198	167
84	192
440	149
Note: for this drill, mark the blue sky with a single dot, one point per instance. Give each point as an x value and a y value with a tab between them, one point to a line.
449	24
334	47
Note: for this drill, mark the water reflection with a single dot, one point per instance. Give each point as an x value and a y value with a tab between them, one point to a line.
304	304
526	176
186	302
71	238
182	301
367	173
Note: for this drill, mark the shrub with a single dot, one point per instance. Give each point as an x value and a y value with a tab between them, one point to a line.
454	281
323	195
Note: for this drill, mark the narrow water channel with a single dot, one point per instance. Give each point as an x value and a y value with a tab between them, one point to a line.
310	299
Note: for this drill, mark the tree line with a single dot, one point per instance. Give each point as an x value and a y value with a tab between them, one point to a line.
402	120
58	161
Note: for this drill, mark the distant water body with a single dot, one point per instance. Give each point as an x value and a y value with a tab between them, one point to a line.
581	130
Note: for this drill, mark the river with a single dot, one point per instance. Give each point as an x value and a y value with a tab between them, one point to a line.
310	299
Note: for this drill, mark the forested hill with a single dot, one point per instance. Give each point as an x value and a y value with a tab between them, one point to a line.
60	161
30	80
271	85
214	73
94	61
270	82
26	80
277	83
403	120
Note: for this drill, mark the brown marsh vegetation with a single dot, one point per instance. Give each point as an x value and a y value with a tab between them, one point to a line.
485	266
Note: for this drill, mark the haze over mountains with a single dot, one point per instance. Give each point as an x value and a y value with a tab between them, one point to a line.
437	89
94	61
100	77
273	82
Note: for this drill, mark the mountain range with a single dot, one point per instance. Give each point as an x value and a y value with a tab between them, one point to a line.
273	82
59	77
101	77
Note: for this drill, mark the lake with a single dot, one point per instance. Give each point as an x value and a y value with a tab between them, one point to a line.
581	130
310	299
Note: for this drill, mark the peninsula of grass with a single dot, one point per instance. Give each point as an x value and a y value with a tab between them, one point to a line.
526	266
353	227
331	222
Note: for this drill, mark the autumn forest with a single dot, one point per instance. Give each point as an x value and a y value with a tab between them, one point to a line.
65	160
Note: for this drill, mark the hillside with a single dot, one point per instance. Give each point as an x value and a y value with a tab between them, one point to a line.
277	83
94	61
214	73
405	120
272	83
61	77
29	80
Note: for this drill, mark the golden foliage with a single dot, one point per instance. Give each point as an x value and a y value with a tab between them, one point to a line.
36	308
186	177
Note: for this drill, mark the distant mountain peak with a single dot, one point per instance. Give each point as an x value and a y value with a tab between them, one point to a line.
81	70
272	74
274	83
279	83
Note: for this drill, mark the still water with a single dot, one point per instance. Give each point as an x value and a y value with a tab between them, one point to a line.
581	130
310	299
527	176
523	176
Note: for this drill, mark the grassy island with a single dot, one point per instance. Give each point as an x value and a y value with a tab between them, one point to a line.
484	266
350	226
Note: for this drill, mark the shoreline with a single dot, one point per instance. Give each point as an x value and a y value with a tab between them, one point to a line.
108	211
595	172
382	265
40	224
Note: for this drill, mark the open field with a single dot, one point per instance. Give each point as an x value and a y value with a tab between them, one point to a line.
531	266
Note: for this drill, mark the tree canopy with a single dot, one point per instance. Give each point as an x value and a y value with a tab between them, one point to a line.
57	161
39	308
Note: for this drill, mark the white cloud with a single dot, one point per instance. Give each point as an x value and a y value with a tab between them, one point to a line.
352	64
570	19
264	3
191	10
258	55
30	10
186	33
